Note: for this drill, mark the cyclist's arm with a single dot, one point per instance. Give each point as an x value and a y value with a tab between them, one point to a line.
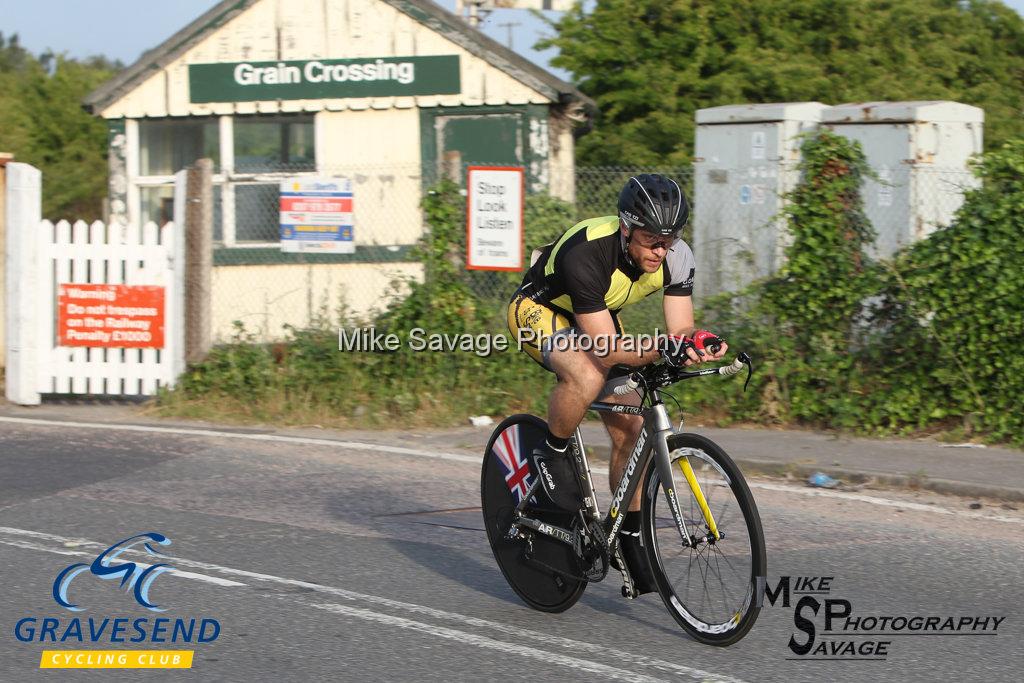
600	327
679	315
679	321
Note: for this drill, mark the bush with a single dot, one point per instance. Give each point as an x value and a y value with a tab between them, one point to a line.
930	340
953	312
307	379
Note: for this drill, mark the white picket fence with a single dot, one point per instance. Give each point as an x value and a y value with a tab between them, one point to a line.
42	256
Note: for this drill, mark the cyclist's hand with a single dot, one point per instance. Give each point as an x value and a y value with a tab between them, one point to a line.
679	351
709	346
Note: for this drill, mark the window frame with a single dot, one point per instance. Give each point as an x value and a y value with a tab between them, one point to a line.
227	178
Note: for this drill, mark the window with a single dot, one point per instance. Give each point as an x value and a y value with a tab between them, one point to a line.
267	144
168	145
257	213
157	204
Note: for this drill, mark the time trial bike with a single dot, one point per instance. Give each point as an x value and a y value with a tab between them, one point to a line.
700	528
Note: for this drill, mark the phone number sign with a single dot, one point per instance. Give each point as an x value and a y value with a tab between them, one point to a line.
316	215
114	316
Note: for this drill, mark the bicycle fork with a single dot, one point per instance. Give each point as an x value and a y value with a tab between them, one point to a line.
663	461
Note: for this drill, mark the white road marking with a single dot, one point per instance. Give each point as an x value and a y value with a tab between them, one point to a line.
546	656
516	632
886	502
277	438
461	457
27	545
203	577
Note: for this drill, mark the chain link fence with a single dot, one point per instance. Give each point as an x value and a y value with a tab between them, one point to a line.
737	232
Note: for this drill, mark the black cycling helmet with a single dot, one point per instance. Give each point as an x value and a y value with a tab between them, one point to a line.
653	203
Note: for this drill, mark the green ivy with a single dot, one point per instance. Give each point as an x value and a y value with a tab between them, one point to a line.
927	341
952	313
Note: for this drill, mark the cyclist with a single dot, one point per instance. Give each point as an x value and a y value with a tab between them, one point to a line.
566	315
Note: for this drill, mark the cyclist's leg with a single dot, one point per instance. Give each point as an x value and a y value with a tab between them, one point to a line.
580	378
623	431
544	335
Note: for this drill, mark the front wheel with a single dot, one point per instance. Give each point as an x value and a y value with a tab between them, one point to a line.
711	588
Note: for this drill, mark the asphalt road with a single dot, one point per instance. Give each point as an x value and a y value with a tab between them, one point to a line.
346	561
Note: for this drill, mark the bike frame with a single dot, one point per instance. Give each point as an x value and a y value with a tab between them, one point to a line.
651	442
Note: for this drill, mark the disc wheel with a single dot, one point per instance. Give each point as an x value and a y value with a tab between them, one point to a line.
507	464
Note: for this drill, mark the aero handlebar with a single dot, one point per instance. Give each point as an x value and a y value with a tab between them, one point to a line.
634	380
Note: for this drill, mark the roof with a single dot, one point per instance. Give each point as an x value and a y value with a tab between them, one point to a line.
762	113
426	12
902	112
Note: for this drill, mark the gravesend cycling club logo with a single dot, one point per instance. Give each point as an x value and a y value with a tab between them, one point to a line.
848	636
136	579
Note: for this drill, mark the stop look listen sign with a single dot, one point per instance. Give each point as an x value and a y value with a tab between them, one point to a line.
494	218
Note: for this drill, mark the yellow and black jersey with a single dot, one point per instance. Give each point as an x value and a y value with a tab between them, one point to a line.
586	271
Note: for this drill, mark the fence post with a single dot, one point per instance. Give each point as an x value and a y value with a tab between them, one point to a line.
176	324
23	215
4	160
198	260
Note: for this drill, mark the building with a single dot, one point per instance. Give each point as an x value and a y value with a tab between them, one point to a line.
387	93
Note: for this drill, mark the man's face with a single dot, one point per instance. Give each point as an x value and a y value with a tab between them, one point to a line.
648	250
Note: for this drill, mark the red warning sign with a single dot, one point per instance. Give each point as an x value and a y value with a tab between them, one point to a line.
116	316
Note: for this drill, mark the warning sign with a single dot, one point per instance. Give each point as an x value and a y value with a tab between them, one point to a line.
116	316
494	218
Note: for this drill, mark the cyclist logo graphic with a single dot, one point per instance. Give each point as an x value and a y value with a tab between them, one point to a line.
137	577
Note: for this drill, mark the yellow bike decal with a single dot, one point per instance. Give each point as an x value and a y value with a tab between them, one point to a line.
691	479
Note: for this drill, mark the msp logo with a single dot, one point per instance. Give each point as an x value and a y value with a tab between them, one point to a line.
137	577
844	635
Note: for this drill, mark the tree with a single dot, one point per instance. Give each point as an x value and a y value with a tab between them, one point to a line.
42	122
650	64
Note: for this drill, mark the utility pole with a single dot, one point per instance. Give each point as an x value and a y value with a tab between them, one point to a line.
198	260
509	25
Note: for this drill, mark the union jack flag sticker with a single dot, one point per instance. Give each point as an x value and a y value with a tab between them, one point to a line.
508	448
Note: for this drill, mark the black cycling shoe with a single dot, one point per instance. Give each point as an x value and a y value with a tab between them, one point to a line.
557	477
636	561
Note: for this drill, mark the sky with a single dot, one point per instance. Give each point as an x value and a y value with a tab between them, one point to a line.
124	29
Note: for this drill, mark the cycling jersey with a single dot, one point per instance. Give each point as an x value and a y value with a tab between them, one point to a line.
586	271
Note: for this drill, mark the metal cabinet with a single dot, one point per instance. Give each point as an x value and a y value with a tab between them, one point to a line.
746	159
919	153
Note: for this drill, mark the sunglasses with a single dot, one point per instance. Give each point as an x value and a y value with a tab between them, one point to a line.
654	242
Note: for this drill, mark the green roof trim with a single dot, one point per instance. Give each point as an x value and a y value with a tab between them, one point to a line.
426	12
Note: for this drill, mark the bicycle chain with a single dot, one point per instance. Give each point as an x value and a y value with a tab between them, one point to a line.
596	570
599	568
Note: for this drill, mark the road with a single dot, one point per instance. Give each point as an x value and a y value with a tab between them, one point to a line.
351	560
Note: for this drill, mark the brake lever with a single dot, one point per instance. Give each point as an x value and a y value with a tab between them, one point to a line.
745	359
